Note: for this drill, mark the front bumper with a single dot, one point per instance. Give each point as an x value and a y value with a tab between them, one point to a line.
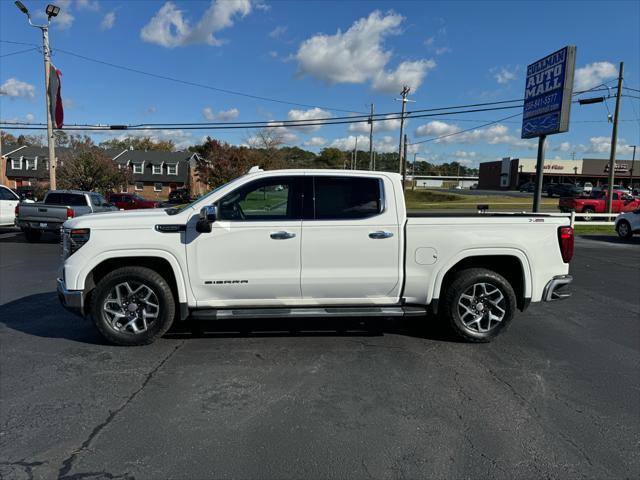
72	300
556	289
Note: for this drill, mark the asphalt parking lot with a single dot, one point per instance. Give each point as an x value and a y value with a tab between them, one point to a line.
557	396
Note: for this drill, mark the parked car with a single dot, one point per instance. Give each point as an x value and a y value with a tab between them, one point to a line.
58	206
474	187
8	202
564	190
131	201
330	243
547	186
27	193
596	203
628	224
179	196
528	187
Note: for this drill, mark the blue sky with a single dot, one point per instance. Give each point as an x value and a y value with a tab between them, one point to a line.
334	55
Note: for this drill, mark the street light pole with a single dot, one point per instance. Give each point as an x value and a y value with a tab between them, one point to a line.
614	140
52	11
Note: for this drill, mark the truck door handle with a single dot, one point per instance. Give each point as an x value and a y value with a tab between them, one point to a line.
380	234
282	235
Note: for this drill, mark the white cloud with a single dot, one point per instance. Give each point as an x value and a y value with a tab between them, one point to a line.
564	147
278	31
504	76
387	124
88	5
407	73
262	6
222	115
464	154
493	135
442	50
348	143
107	21
358	55
594	74
306	115
169	28
316	142
603	145
15	88
64	20
429	41
29	117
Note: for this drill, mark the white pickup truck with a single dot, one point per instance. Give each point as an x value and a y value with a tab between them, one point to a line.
309	243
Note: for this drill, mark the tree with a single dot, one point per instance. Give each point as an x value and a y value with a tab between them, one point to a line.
75	142
265	148
332	158
220	162
91	170
139	143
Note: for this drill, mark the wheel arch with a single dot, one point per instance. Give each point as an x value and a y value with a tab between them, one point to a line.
162	262
510	263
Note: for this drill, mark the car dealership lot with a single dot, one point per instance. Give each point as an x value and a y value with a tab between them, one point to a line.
555	396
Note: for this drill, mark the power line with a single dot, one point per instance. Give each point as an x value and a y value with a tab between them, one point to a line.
19	43
19	52
466	130
629	88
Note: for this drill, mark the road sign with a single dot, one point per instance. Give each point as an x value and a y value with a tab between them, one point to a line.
547	97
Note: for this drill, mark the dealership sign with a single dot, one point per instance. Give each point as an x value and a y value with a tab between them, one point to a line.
547	96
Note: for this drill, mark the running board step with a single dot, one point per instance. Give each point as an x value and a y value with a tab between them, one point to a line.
221	314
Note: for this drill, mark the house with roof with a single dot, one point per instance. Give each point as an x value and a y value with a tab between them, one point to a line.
27	166
155	174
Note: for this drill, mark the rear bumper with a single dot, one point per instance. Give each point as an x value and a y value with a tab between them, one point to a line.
41	226
72	300
556	289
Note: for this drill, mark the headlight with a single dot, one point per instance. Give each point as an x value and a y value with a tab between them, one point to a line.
73	240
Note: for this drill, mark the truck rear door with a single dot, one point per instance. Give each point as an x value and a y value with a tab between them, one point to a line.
350	241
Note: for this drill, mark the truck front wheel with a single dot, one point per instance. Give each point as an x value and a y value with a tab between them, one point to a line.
479	304
132	306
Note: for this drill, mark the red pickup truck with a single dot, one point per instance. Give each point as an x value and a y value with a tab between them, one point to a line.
597	203
130	201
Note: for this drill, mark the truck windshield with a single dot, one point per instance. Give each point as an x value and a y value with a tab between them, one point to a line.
71	199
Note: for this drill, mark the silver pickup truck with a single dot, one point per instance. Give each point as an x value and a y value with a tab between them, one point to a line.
56	208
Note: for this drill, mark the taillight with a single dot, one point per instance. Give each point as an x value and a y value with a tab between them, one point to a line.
17	209
565	238
69	213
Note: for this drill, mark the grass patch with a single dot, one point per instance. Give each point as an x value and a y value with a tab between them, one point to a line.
597	229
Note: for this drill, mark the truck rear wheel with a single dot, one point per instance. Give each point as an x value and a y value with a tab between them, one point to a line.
478	304
32	236
624	229
587	214
133	306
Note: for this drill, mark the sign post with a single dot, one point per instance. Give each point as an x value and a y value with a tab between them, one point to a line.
547	104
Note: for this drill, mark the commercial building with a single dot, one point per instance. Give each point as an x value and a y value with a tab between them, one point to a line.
509	173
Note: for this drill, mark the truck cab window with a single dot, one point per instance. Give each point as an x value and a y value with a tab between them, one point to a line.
268	199
347	197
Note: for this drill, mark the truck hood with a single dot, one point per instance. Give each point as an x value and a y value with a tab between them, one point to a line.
127	219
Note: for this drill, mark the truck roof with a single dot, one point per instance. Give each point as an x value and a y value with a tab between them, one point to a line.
78	192
314	171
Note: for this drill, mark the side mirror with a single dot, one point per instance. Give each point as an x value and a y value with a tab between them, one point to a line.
207	217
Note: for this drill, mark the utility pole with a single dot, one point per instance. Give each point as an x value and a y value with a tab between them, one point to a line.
355	155
404	161
51	11
405	91
614	139
371	139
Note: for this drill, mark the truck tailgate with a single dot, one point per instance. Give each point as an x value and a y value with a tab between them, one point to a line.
42	213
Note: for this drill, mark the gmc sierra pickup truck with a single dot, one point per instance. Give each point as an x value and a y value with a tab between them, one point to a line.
309	243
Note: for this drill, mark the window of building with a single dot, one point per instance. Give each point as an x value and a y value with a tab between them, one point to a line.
139	186
157	187
268	199
172	169
16	163
31	163
346	197
157	169
138	167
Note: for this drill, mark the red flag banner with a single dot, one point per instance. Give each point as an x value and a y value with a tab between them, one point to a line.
57	112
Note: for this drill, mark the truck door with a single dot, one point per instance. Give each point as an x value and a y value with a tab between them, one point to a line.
351	244
252	255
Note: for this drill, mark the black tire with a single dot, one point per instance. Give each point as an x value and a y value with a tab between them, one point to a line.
32	236
624	229
132	276
462	284
588	211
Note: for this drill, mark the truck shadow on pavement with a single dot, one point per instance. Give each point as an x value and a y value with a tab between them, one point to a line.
635	240
41	315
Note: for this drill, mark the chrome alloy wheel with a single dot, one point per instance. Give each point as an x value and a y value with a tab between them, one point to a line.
131	307
482	307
